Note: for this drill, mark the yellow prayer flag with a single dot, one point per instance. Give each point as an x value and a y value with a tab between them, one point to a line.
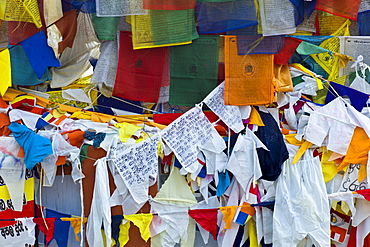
252	231
124	229
329	169
76	224
142	35
142	221
306	145
126	130
20	10
5	71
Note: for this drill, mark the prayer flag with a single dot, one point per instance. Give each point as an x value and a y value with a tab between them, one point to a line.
39	54
194	70
139	72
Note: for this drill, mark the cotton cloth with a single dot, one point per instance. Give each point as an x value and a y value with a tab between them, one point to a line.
230	115
193	70
39	54
24	238
206	218
27	12
298	211
138	166
75	61
3	34
52	11
139	72
162	29
142	221
100	212
250	41
67	27
175	219
85	6
21	70
271	137
106	68
358	99
331	120
105	27
109	8
36	147
168	4
12	170
343	9
197	133
46	226
5	71
248	78
228	215
243	161
277	17
76	224
217	17
60	227
362	19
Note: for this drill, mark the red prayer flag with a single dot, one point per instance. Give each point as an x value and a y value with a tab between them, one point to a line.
139	72
346	9
206	218
168	4
287	51
365	193
67	26
47	229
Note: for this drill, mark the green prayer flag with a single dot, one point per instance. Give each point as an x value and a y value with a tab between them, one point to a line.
306	48
194	70
105	27
172	26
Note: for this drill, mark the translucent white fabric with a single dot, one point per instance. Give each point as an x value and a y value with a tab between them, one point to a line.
75	61
301	204
107	8
100	209
277	17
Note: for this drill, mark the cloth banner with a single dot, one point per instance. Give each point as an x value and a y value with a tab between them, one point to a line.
67	27
363	19
15	10
60	227
277	17
18	233
250	42
194	70
22	72
329	24
5	71
85	6
218	17
46	226
163	28
168	4
290	46
345	9
105	27
3	34
206	218
139	72
39	54
248	78
76	60
110	8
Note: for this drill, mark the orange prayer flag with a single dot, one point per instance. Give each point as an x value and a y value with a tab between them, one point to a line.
249	79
